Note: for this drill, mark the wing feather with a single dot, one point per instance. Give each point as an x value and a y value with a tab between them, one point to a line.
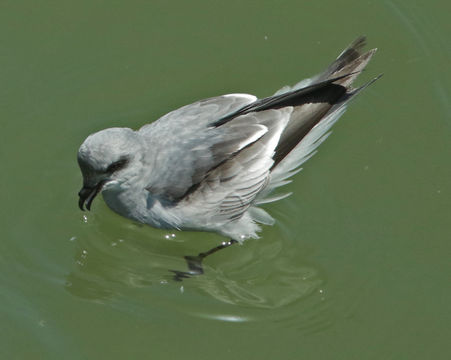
184	147
230	189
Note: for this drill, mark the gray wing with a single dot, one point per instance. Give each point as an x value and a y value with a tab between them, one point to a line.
228	190
198	144
183	146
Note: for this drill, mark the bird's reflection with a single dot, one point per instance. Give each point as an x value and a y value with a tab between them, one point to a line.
129	270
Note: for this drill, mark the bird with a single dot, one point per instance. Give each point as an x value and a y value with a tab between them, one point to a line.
210	165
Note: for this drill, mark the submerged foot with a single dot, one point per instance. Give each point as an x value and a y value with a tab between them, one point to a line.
195	262
194	266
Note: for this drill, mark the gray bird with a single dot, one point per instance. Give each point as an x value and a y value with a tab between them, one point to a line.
208	166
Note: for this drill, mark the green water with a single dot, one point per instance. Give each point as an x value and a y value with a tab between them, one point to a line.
357	266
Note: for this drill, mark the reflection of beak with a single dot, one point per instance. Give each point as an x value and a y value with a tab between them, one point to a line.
87	195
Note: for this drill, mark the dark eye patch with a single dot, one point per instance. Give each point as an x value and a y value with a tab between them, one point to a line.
117	165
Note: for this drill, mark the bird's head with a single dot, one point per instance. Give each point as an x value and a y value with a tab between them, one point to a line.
106	159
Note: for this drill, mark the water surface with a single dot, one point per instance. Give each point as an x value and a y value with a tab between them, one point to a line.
357	265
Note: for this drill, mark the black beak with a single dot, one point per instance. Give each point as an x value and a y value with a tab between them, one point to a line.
87	195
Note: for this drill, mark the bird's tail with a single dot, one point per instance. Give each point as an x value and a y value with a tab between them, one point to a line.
311	121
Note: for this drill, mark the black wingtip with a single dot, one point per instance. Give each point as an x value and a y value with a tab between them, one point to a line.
358	43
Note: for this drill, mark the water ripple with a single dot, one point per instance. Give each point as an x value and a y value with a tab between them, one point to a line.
262	280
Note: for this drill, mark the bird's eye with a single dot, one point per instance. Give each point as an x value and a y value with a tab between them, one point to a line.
117	165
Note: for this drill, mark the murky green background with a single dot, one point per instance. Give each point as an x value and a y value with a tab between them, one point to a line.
358	264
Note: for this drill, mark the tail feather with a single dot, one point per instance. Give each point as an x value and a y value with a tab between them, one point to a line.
310	122
323	92
348	56
339	66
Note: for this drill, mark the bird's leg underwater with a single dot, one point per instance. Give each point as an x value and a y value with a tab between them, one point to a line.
195	262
